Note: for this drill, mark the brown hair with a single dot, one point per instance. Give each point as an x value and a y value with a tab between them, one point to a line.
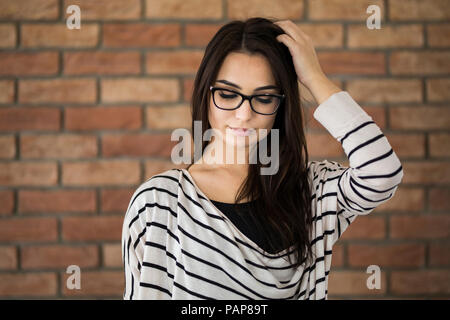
281	200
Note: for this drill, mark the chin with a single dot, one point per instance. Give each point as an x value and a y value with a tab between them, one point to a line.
235	140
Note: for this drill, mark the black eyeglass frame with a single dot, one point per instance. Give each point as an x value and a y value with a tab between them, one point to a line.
249	98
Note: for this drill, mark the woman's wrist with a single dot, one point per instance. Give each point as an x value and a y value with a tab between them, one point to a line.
322	88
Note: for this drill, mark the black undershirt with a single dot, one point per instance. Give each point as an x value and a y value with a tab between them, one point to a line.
245	223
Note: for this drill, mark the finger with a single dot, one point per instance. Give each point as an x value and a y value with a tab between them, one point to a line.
286	40
293	30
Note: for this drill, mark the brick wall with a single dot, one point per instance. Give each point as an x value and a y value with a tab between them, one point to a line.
86	116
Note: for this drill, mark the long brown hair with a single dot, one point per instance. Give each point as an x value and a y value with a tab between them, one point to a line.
282	200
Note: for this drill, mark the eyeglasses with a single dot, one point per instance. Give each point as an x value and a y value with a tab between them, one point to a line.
264	103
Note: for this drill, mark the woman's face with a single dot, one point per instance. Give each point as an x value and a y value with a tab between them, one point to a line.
243	73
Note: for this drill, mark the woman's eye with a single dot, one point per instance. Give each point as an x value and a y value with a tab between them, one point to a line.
265	100
227	96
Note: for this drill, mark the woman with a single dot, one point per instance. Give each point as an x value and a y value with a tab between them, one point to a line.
226	231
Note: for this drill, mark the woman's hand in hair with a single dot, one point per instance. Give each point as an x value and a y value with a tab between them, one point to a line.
305	60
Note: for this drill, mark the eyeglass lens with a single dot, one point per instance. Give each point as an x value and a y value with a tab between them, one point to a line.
229	100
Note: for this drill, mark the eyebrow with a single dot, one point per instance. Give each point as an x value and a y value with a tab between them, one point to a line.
257	89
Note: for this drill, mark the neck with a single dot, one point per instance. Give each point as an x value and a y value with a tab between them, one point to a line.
234	158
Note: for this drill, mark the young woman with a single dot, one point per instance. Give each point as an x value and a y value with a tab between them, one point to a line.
226	231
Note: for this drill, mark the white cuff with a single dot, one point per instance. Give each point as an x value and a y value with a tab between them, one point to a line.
340	113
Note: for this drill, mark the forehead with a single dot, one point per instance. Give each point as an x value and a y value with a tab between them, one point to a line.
246	70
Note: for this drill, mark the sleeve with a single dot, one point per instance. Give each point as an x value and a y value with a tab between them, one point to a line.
374	171
133	241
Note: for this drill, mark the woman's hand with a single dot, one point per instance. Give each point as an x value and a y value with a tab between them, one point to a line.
305	60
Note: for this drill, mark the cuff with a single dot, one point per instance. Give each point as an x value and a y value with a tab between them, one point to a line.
340	113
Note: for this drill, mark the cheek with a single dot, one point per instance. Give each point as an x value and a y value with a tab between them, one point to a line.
267	123
216	117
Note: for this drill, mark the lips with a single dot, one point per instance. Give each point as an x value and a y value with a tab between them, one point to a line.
241	131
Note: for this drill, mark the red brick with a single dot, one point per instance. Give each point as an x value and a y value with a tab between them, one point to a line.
439	199
420	282
8	258
59	256
435	172
7	147
281	10
405	10
107	9
6	91
390	36
420	227
112	255
438	89
28	229
407	145
420	62
193	9
188	85
139	90
57	201
422	117
115	200
439	254
365	227
97	283
114	145
388	255
385	90
352	63
7	201
37	36
326	35
323	145
29	9
8	36
439	144
343	9
57	91
102	172
28	174
58	146
153	167
338	256
405	199
28	284
141	35
162	117
28	63
200	34
173	62
102	63
39	118
103	118
107	228
438	34
354	282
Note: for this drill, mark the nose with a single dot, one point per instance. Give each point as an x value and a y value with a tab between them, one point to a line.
244	112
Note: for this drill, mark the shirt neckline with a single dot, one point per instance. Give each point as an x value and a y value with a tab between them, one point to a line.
253	244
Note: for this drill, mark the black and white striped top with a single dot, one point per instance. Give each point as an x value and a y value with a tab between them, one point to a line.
177	245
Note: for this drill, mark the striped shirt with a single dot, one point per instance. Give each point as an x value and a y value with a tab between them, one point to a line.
177	245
